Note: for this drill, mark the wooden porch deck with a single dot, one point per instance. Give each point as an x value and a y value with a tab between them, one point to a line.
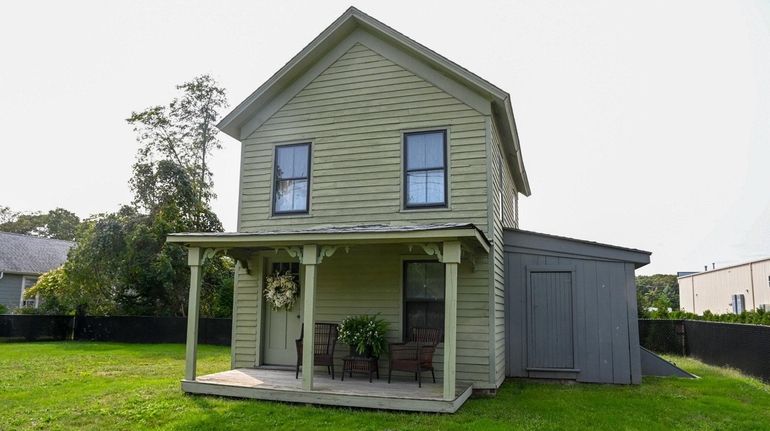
356	391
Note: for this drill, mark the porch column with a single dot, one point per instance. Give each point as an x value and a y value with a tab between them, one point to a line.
310	260
451	259
194	260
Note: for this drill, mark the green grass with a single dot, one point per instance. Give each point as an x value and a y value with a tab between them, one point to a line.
106	386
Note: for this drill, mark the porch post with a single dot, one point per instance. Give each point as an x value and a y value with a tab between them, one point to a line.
194	260
451	259
309	260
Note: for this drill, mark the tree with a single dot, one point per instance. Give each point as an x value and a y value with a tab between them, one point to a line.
122	262
659	291
183	133
57	223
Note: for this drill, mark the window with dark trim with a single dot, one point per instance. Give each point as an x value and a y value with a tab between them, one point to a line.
423	295
292	179
425	178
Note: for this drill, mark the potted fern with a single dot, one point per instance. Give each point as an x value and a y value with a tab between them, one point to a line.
365	335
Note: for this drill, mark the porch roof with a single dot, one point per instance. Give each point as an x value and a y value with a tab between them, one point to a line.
350	234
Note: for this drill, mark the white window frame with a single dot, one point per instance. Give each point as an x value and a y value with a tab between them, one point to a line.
21	296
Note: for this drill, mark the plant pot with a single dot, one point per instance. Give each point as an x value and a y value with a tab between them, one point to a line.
367	352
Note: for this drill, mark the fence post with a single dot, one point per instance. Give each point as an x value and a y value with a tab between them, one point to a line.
682	335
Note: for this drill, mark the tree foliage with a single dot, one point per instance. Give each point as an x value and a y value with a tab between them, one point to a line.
182	133
657	293
57	223
122	263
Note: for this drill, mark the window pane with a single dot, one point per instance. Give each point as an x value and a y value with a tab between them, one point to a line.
416	188
300	195
415	280
434	190
284	196
291	161
284	162
434	281
415	316
291	195
300	160
425	151
425	187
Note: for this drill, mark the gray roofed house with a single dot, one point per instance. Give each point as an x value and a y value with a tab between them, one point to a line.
22	259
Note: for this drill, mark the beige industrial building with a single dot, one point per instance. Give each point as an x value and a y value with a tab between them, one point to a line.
731	289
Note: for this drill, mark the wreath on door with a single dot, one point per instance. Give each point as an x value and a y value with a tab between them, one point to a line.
281	291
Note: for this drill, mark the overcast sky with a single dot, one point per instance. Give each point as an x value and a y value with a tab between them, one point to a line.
643	124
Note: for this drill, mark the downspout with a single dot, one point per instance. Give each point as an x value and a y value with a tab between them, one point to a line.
2	274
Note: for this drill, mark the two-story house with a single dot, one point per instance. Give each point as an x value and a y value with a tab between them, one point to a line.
387	178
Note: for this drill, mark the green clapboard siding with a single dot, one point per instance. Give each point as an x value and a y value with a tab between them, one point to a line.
355	113
503	194
368	280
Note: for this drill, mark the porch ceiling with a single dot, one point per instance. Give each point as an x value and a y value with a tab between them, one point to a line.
468	233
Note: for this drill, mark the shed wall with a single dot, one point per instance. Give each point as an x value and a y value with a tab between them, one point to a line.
606	337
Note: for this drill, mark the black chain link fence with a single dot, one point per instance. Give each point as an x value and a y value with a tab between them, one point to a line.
33	327
124	329
735	345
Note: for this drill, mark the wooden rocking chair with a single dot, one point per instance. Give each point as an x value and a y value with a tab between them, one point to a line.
323	346
416	355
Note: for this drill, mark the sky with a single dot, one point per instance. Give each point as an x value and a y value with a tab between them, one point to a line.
643	124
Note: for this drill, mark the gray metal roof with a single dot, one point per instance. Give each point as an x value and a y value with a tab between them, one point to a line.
27	254
330	229
358	228
522	240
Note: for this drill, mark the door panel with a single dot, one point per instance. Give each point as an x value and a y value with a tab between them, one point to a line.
282	327
550	331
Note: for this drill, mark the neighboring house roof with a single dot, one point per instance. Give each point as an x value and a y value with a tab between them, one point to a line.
27	254
266	100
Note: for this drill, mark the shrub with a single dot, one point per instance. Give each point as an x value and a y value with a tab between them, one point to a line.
365	334
3	309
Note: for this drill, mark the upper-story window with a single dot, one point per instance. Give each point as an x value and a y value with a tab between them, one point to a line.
425	178
292	179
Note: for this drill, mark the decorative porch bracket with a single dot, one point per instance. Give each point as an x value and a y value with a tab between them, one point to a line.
328	251
431	249
292	251
452	252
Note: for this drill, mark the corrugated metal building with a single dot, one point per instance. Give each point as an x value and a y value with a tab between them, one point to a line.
731	289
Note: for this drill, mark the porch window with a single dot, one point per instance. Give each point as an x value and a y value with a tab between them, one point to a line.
425	169
423	295
292	179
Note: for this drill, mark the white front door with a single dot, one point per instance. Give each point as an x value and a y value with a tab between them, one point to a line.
282	327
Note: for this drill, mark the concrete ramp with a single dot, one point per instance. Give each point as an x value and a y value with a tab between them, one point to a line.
654	365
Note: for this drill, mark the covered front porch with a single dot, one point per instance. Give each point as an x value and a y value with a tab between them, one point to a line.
344	287
280	385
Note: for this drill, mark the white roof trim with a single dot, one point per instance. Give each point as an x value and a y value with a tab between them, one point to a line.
247	113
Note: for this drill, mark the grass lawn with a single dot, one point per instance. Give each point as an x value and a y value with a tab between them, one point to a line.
105	386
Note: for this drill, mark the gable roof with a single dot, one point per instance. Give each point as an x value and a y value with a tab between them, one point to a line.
429	65
26	254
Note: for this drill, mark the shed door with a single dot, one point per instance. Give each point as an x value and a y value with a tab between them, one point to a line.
550	335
